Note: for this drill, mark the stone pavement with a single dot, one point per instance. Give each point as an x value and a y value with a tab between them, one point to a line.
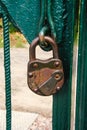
20	120
22	98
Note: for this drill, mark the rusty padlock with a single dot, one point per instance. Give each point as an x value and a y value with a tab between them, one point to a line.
45	77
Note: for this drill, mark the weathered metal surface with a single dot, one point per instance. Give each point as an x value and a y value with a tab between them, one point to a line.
26	16
62	100
45	77
81	98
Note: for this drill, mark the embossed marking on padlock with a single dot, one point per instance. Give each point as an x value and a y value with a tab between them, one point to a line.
45	77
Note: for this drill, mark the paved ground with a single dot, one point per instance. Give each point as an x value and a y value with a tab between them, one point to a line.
22	98
26	121
20	120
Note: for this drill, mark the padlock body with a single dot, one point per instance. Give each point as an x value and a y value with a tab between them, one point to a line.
45	77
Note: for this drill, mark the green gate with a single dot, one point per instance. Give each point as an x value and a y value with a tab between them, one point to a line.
68	23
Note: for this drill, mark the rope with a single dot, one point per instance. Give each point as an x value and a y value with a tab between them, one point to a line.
7	71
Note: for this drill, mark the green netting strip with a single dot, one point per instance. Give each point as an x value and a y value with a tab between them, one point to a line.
7	71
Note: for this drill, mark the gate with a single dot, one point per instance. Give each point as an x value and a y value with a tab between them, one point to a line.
68	23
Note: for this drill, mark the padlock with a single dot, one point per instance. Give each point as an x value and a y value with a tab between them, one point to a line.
45	77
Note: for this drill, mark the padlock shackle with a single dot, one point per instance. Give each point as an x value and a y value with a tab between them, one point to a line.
35	43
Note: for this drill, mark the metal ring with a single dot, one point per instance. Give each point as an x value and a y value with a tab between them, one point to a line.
43	33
